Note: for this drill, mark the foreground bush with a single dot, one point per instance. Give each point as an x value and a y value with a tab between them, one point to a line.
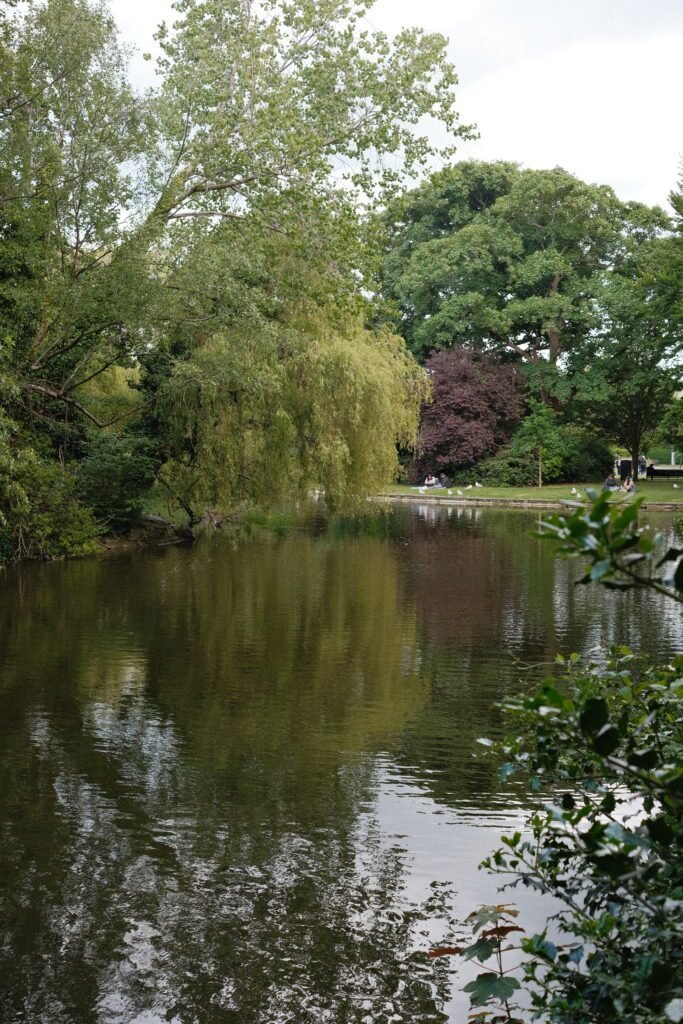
604	746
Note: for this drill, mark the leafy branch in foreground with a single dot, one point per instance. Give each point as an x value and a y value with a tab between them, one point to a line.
606	750
604	746
621	554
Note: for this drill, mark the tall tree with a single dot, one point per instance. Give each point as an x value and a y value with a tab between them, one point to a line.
130	227
492	256
630	368
69	305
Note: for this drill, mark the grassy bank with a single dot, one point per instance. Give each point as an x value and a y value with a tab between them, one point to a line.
656	491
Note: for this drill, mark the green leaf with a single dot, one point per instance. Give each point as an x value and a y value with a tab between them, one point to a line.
660	830
629	514
481	950
606	741
608	803
645	759
678	576
601	569
576	954
594	716
490	986
672	555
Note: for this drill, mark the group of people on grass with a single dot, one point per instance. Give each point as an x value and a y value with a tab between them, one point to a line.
612	484
437	481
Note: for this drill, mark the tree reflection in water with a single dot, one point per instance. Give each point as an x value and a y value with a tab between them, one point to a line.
188	789
194	748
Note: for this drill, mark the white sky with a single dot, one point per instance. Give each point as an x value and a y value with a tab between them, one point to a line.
595	86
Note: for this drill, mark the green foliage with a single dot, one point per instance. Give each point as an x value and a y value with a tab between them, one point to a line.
621	554
588	455
605	747
542	440
662	267
160	256
115	475
40	516
509	468
545	449
628	372
490	255
669	433
318	406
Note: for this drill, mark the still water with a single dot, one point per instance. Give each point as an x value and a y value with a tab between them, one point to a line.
238	782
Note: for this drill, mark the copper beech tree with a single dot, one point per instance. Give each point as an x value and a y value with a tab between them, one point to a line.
476	403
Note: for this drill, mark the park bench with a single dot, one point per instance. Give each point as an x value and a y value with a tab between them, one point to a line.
664	471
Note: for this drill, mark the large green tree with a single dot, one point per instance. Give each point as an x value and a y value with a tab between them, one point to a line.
629	369
493	256
71	296
139	234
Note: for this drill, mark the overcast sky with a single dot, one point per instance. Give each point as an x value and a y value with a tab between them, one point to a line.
595	86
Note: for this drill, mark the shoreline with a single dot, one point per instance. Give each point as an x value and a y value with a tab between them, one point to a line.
525	503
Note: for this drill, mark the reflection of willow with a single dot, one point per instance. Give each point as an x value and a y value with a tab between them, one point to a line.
277	657
184	823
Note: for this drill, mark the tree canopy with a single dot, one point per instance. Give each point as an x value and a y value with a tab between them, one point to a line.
493	256
158	247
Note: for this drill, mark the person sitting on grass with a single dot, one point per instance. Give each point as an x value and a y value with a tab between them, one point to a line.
611	483
431	481
444	481
628	486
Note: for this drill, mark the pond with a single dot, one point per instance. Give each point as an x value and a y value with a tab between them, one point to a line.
240	782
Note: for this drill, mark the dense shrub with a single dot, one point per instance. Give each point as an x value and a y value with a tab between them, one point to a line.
114	477
577	456
507	469
40	515
589	457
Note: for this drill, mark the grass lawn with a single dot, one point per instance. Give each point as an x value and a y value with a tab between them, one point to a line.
655	491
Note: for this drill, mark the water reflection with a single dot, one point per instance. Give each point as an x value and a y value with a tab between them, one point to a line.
230	775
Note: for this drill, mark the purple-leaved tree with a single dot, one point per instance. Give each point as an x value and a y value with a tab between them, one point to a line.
476	404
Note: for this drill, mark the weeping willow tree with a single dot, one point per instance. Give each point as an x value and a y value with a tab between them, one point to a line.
311	402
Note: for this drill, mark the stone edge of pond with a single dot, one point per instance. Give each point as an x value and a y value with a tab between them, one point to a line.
434	499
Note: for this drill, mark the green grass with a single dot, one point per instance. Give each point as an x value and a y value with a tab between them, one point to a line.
655	491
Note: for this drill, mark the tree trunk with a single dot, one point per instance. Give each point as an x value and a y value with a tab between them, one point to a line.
551	330
554	338
540	468
634	448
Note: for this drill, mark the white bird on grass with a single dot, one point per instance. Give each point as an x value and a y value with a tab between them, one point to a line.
460	493
676	486
449	491
469	487
422	489
574	490
478	485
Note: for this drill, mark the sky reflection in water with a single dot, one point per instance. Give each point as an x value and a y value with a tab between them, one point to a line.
232	775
